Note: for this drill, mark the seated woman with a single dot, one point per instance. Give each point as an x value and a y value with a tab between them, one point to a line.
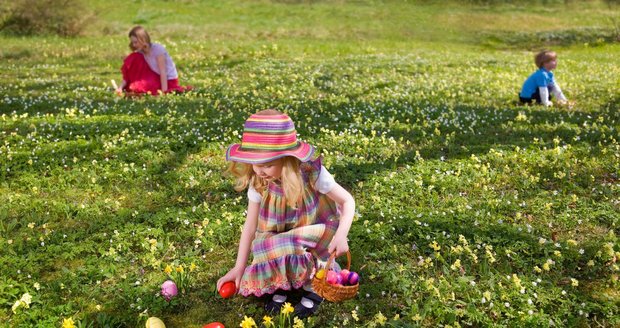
149	68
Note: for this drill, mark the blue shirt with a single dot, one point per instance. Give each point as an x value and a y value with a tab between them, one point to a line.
540	78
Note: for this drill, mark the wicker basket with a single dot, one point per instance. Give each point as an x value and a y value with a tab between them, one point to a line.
334	293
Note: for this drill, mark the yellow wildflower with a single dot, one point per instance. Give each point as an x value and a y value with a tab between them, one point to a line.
180	269
267	321
168	269
546	266
416	317
26	299
297	323
487	295
456	265
537	269
68	323
435	246
287	308
456	250
590	263
354	315
516	280
247	322
574	282
192	267
16	306
380	319
463	240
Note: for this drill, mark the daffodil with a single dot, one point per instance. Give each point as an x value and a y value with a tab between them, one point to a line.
247	322
267	321
287	308
68	323
297	323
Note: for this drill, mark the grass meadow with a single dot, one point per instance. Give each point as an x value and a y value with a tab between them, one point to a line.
471	209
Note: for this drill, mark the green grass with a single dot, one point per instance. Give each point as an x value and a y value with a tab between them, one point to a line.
411	105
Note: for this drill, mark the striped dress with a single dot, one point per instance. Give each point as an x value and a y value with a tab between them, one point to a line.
288	240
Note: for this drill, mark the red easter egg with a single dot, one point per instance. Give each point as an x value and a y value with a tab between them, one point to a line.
213	325
344	274
228	289
332	277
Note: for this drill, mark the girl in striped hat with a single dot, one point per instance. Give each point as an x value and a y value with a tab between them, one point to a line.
297	214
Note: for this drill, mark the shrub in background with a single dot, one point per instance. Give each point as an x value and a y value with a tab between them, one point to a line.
44	17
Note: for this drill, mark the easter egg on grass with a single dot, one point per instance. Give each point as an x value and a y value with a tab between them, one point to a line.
213	325
154	322
228	289
169	290
332	277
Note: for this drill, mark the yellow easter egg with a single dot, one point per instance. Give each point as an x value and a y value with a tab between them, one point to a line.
320	274
154	322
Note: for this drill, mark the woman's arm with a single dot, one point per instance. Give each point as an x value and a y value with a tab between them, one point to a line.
245	245
347	209
163	73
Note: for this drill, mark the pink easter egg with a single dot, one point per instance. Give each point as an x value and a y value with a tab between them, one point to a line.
332	277
169	290
344	274
354	278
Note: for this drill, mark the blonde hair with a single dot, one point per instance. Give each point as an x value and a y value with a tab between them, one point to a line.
544	57
292	181
139	33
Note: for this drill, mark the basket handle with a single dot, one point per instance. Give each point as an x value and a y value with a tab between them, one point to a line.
330	261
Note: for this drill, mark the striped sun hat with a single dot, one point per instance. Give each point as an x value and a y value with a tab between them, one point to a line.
268	135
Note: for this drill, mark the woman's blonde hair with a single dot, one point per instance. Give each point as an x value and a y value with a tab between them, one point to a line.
544	56
292	181
139	33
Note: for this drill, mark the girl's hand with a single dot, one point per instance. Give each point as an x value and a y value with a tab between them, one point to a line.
234	274
338	244
119	91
